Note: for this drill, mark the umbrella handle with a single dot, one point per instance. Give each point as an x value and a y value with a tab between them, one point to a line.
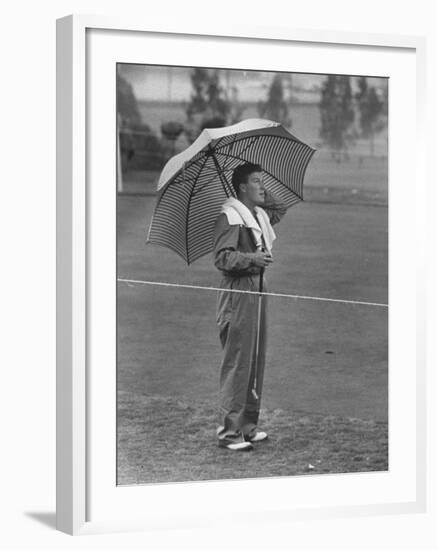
261	279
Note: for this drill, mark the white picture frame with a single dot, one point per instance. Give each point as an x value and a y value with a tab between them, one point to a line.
75	341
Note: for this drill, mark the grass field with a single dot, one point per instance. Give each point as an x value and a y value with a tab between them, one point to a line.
165	439
325	395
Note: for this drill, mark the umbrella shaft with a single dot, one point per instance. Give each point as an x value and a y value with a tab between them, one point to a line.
258	330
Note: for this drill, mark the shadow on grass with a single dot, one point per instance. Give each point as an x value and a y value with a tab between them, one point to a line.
166	440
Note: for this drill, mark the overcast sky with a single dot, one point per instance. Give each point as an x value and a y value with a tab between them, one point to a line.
173	83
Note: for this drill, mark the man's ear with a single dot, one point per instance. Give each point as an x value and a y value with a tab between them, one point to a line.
242	188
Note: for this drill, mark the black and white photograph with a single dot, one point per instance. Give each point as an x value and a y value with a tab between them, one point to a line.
252	274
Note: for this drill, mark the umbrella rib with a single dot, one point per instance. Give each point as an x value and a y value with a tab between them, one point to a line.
261	133
202	151
197	191
191	195
284	138
225	163
253	138
256	137
267	172
158	202
223	169
198	174
186	227
237	139
221	175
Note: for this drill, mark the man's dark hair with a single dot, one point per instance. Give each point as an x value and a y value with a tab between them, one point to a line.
242	172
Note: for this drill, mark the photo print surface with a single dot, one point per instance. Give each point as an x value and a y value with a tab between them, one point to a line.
252	274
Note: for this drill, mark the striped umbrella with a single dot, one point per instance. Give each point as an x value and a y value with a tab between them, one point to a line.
195	183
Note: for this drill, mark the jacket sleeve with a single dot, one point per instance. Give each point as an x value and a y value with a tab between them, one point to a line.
227	257
274	207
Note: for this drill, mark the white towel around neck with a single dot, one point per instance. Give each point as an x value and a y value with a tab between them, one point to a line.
238	214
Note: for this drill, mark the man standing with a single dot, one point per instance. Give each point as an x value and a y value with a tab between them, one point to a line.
242	251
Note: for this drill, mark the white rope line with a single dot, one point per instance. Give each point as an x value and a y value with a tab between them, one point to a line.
296	296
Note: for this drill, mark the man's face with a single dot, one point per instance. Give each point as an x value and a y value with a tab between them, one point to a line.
254	188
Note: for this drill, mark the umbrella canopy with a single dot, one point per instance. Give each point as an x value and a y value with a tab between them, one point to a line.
195	183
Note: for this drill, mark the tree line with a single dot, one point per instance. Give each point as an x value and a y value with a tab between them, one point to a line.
345	114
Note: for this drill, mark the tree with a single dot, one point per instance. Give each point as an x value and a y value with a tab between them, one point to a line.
128	115
208	106
275	108
139	146
337	113
218	106
371	108
127	106
198	102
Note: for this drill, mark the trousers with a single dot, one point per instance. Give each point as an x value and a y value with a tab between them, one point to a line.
242	321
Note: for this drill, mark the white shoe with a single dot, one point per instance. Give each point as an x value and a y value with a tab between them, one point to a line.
241	446
259	436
